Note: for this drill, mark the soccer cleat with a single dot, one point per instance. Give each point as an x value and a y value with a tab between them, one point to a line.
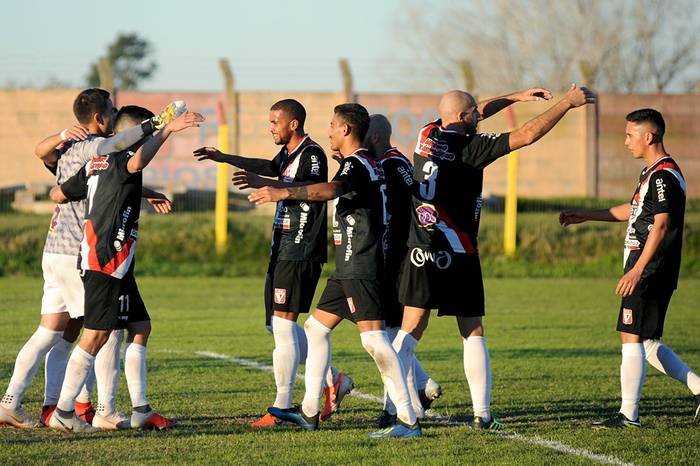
268	420
618	421
17	418
46	413
295	415
696	400
85	411
386	419
172	111
478	423
335	394
111	421
399	430
430	393
71	424
150	420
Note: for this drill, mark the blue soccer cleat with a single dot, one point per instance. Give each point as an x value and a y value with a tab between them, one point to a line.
295	415
399	430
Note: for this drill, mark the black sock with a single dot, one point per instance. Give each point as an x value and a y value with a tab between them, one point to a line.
142	409
65	414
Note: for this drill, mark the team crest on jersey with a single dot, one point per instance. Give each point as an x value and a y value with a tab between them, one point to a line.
627	316
337	239
427	216
351	305
432	148
280	295
54	219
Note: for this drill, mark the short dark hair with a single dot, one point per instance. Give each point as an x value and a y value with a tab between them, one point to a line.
652	117
131	115
89	102
356	116
293	109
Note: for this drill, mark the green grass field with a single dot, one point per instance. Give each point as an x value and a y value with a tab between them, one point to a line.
555	358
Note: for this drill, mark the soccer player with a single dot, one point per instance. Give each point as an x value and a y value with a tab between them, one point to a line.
652	259
112	185
62	304
298	249
354	291
398	173
443	271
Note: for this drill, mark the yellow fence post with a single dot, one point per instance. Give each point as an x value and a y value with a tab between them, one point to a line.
221	206
510	221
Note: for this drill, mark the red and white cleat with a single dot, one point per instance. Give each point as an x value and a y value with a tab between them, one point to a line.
268	420
335	394
150	420
46	413
85	411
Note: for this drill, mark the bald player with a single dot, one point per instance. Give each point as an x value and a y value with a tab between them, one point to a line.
442	270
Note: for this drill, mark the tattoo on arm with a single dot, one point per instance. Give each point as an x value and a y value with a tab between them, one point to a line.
318	191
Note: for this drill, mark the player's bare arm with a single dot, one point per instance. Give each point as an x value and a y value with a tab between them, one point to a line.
311	192
490	107
159	201
629	281
534	129
148	150
246	179
619	213
258	166
46	149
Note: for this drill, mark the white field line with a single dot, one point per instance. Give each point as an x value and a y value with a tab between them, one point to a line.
534	440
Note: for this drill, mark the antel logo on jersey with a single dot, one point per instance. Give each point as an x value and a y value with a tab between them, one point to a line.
315	165
280	295
432	148
427	215
660	190
98	164
627	316
441	259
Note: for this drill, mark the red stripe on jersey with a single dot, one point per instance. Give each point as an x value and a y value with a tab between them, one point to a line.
91	238
422	136
111	266
463	237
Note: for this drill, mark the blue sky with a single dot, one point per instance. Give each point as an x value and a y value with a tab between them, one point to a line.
272	45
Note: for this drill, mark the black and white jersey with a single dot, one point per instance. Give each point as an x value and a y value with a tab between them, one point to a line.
359	218
448	168
299	227
110	229
398	173
661	189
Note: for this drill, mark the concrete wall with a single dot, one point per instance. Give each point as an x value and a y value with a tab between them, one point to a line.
569	161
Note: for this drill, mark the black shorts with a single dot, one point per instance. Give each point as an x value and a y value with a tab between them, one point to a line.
642	314
393	309
290	286
112	303
443	280
352	299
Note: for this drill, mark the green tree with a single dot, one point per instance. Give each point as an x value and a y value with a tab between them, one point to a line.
130	57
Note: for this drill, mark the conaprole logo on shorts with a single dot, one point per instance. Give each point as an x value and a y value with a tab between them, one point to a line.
427	216
280	295
351	305
627	316
442	259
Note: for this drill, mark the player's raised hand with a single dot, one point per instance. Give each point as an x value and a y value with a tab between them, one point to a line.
209	153
578	96
161	204
571	217
245	179
267	194
186	120
534	93
628	283
75	133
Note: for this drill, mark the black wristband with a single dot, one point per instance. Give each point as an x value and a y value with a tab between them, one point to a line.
147	127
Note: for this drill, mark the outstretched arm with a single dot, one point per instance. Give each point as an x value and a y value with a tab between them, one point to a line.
159	201
490	107
619	213
542	124
311	192
258	166
245	180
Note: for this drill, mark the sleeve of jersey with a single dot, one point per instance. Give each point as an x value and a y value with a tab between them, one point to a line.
121	161
313	166
665	191
349	174
75	187
276	163
484	148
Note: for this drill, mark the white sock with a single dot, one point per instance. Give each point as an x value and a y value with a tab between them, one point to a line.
391	332
632	372
27	363
285	360
85	394
135	371
377	344
302	345
421	376
405	346
107	373
77	371
55	370
317	364
477	369
665	360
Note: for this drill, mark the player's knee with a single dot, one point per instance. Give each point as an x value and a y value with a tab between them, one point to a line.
368	345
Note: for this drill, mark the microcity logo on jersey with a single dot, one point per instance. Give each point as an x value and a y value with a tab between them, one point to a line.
660	190
280	295
303	220
98	164
432	148
441	259
627	316
427	216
